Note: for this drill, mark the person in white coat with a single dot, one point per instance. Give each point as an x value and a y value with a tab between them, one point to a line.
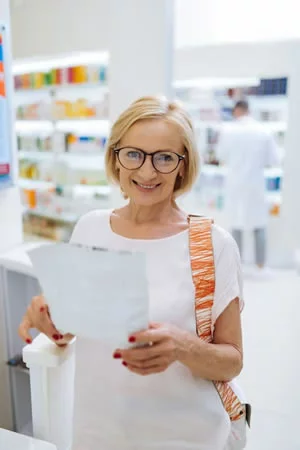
246	148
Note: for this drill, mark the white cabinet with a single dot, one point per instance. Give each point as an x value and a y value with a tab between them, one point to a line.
17	287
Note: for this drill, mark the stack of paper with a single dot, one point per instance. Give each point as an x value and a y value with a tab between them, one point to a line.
94	293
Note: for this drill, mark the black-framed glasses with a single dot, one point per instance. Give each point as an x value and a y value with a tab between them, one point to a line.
132	158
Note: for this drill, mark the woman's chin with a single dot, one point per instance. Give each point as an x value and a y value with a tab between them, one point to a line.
137	200
146	199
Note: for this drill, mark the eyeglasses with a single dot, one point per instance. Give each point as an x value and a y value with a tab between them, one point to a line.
132	158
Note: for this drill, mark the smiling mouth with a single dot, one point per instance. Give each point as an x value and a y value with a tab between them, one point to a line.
147	187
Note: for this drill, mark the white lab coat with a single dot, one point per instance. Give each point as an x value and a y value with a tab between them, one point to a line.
246	149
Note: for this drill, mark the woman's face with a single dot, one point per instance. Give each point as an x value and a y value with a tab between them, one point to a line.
146	186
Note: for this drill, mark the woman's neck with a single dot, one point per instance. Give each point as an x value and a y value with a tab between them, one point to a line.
155	214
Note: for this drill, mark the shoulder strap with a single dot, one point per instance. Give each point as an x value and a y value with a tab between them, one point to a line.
203	272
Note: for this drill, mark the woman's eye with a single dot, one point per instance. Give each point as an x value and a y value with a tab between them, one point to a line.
133	155
165	157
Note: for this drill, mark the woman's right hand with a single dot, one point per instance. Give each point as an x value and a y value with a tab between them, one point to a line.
38	316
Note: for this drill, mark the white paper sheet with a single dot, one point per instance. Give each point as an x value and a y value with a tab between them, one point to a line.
93	293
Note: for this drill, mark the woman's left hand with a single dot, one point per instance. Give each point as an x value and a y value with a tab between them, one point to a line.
157	348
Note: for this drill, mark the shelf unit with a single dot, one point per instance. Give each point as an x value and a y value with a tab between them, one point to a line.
209	102
271	126
197	97
67	125
59	184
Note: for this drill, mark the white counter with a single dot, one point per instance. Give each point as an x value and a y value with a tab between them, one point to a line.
14	441
17	259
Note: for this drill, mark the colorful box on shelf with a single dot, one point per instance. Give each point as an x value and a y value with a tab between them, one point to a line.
84	144
34	111
61	76
35	143
81	108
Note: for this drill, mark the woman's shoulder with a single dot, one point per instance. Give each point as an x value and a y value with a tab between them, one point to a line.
90	224
228	271
220	236
222	241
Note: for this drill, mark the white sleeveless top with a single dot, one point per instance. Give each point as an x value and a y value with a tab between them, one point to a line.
118	410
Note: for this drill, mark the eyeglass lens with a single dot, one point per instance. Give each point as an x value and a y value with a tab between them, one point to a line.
164	162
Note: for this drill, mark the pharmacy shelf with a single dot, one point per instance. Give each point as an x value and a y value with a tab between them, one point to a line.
27	237
81	189
85	125
35	155
67	86
34	126
210	169
25	183
78	189
274	172
272	127
64	217
84	159
274	197
215	83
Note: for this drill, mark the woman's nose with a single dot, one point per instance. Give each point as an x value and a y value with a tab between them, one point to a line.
147	169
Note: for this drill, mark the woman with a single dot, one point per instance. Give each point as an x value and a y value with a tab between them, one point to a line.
160	395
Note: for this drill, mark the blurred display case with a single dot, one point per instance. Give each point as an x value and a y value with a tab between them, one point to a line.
210	103
62	124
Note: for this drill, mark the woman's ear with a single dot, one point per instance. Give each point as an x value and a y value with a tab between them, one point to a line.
181	172
183	165
117	165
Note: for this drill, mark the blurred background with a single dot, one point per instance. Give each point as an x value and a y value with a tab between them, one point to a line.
67	69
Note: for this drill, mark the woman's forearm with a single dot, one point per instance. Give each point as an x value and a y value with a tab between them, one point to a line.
215	362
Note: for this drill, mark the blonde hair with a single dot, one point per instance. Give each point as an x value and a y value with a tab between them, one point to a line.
156	108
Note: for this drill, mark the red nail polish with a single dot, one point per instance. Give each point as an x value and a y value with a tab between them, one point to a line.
29	341
61	336
132	339
124	363
117	355
56	337
42	308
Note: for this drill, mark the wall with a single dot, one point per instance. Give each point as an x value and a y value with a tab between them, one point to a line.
201	22
49	27
267	59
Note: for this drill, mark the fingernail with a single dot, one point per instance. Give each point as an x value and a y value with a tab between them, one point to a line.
61	336
29	341
132	339
42	308
117	355
56	337
124	363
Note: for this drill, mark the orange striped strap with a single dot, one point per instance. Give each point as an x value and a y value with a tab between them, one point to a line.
203	271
